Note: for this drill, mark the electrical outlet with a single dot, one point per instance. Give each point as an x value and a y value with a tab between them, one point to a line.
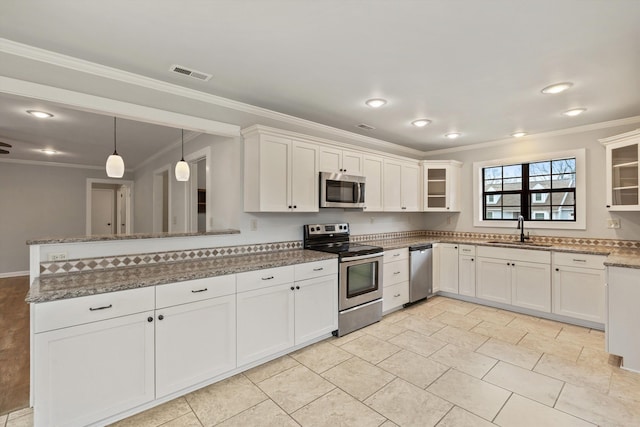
175	220
613	223
372	220
58	256
449	220
254	225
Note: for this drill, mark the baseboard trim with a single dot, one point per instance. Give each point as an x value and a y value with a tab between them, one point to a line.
14	274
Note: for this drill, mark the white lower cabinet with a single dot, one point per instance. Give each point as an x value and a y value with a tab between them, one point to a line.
194	342
448	267
395	296
531	285
623	316
493	280
578	286
265	322
316	307
92	371
395	291
467	275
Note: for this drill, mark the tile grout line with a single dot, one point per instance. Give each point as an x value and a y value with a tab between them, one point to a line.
502	407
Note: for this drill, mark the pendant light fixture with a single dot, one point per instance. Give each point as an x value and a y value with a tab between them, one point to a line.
115	164
182	167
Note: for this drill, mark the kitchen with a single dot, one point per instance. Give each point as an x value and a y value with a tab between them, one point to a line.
229	204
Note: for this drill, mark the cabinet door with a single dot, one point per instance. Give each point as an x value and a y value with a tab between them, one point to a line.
579	293
392	199
264	322
316	307
449	267
410	187
531	285
467	275
90	372
395	296
493	279
622	176
304	177
435	191
330	160
194	342
275	174
453	189
352	163
623	319
372	170
436	267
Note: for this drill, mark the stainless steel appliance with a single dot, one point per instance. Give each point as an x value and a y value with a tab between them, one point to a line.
359	277
421	278
338	190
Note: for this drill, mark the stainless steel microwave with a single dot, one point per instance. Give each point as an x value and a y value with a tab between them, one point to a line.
338	190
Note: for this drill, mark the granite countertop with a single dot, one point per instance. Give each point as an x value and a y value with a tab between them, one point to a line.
70	285
136	236
619	257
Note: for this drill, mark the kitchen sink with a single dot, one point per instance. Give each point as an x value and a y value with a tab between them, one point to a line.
512	243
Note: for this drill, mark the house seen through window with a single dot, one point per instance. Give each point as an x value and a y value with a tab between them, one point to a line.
539	191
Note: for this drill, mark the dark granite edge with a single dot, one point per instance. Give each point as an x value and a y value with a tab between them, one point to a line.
135	236
171	278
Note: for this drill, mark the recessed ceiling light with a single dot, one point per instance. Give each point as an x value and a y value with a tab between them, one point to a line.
40	114
49	151
574	112
421	122
376	102
452	135
556	88
518	134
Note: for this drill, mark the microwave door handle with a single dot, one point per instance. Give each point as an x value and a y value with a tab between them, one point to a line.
359	192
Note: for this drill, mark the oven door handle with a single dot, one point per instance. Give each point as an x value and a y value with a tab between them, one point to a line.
357	258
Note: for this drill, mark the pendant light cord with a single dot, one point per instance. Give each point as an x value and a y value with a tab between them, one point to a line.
115	151
182	159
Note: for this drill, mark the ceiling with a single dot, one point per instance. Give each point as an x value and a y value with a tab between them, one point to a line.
474	67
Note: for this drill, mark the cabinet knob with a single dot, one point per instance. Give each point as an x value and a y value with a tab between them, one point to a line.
508	263
292	288
161	317
295	207
608	206
557	269
448	207
149	319
297	287
289	206
471	259
513	264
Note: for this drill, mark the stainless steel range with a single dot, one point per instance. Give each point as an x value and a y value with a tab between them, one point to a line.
360	275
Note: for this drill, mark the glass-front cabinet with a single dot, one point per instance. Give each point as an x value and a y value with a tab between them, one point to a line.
441	185
622	154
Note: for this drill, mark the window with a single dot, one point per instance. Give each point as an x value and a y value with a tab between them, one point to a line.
539	191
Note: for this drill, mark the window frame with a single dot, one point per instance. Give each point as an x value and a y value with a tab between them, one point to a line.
579	222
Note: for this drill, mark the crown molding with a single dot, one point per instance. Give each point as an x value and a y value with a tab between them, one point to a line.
567	131
55	164
80	65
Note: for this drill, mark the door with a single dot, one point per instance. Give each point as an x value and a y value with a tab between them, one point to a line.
579	293
316	308
304	177
467	275
194	342
275	174
330	160
436	189
493	279
102	211
89	372
410	187
448	267
352	163
265	322
372	170
531	285
392	186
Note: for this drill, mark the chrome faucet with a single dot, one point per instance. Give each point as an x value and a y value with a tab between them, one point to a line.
521	228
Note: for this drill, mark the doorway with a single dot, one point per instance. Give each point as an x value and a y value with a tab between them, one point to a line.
161	200
108	207
198	194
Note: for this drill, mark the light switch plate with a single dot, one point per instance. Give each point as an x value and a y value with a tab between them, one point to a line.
57	256
613	223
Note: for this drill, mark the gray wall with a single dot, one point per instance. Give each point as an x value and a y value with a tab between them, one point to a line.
597	214
39	201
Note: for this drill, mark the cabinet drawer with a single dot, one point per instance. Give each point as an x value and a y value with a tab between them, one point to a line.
77	311
395	272
579	260
194	290
526	255
467	250
395	295
264	278
396	255
310	270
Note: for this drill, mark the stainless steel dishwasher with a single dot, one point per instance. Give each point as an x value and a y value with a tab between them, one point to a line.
421	278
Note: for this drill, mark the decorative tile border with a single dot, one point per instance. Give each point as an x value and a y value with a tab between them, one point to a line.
385	236
102	263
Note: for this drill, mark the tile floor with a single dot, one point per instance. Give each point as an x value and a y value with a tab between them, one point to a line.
445	362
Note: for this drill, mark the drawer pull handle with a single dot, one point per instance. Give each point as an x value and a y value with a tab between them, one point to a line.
396	295
267	278
396	272
318	269
396	254
199	290
100	308
579	260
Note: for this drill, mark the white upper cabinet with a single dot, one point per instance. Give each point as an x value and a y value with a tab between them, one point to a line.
401	188
373	167
441	185
340	161
280	174
622	154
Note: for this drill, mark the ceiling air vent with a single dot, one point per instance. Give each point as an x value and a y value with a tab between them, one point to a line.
365	126
190	73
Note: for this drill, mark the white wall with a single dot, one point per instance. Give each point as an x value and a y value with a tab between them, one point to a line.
38	201
597	214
